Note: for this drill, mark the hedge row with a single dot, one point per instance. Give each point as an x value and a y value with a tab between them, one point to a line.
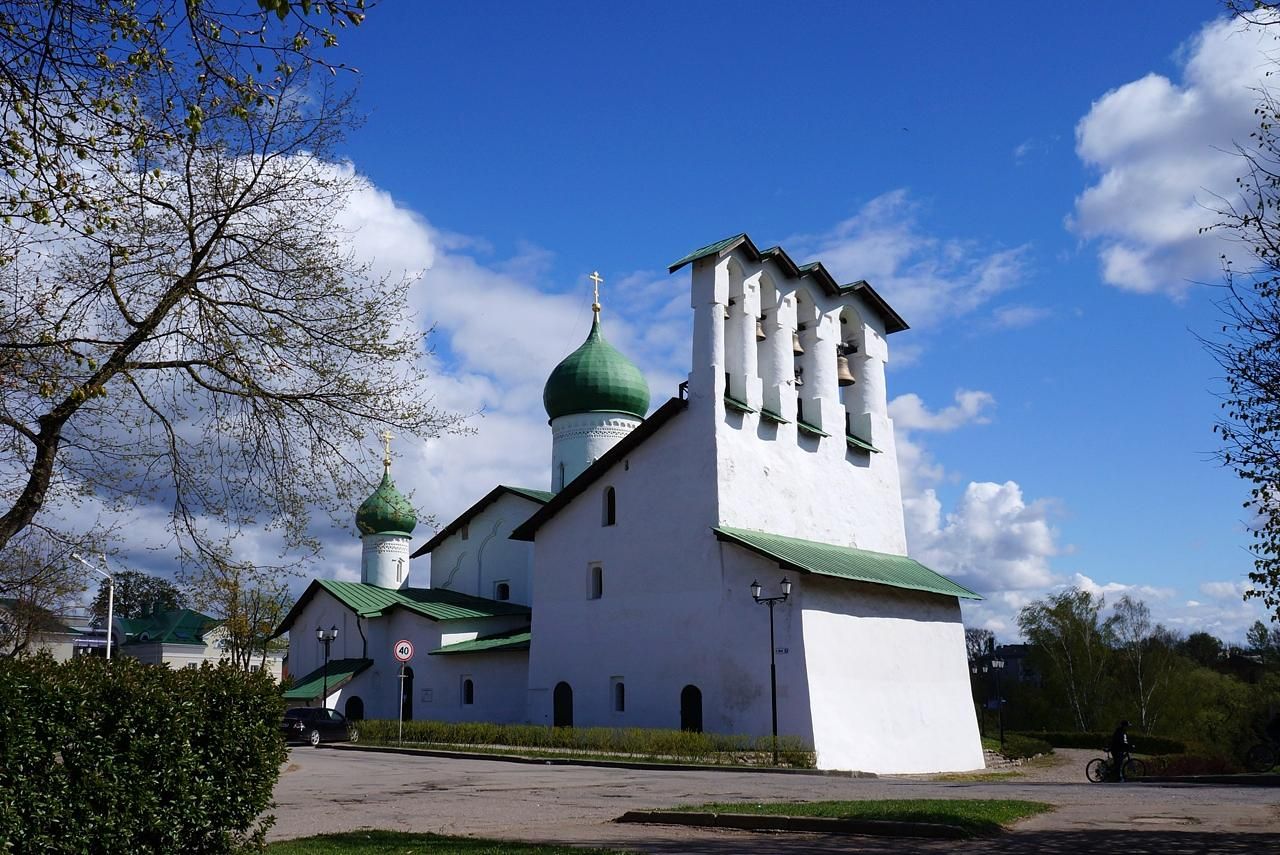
1019	746
1144	743
120	756
635	742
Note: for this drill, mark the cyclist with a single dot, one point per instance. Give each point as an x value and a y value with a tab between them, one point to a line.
1120	747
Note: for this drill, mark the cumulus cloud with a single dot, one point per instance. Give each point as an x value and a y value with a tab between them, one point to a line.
1164	155
1016	317
1115	590
910	413
1223	590
928	279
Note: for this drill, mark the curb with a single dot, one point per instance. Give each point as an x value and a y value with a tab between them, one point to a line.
602	764
1230	780
820	824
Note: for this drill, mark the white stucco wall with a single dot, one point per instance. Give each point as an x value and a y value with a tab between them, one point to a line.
499	678
888	681
384	560
487	556
777	478
578	440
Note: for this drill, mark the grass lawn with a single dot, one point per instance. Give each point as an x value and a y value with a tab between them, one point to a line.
403	843
976	816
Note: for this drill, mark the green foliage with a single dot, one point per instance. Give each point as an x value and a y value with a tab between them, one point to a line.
148	758
1202	648
403	843
976	816
136	594
1146	744
1020	746
1073	649
634	743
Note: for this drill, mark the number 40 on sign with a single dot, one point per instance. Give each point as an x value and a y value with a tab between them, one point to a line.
403	650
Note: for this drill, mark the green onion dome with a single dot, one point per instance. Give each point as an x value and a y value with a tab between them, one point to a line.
596	378
386	511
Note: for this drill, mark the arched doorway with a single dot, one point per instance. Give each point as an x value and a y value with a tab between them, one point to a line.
355	708
562	703
691	709
406	694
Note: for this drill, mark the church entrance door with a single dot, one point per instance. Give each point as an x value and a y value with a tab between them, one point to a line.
562	703
691	709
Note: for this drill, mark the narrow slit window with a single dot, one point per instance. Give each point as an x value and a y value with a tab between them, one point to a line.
596	582
502	591
610	512
468	692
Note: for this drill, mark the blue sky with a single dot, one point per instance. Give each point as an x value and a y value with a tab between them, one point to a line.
1026	189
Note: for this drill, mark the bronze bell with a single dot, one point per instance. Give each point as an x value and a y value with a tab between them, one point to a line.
795	344
843	376
760	336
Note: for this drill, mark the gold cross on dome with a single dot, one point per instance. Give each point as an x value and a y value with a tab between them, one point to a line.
597	279
386	436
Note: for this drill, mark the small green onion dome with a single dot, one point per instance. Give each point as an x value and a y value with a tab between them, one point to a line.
386	511
596	378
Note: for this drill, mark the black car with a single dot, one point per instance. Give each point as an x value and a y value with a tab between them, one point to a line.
316	725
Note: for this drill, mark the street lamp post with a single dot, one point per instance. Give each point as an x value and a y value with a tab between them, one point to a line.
979	673
326	637
111	596
773	667
997	665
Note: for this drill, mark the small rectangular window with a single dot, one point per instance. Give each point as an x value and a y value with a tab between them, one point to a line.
466	531
595	582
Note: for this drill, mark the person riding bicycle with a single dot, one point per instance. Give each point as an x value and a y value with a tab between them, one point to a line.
1119	748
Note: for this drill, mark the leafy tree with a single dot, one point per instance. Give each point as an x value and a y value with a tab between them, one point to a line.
978	642
250	603
1202	648
1146	655
1264	641
37	579
1075	644
136	594
178	321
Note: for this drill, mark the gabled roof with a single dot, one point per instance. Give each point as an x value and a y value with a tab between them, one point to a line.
176	626
512	639
844	562
371	601
621	449
312	686
893	322
539	496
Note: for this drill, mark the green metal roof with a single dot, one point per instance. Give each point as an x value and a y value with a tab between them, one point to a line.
596	378
386	511
513	639
312	686
893	322
177	626
372	601
844	562
860	443
808	427
539	496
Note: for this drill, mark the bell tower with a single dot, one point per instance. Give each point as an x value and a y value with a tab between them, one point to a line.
386	521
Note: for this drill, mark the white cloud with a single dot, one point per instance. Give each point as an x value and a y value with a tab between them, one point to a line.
1164	154
1016	317
994	540
910	413
1114	590
1223	590
926	279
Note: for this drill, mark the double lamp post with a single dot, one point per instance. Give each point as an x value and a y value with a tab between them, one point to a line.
773	667
326	637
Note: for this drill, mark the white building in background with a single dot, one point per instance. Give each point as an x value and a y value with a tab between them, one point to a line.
623	597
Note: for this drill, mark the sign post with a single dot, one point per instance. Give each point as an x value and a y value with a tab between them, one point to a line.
403	652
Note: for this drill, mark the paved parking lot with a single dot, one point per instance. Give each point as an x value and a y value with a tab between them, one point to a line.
328	790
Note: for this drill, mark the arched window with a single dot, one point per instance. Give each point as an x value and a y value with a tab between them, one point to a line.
562	705
355	708
610	514
560	479
691	709
502	591
619	695
468	691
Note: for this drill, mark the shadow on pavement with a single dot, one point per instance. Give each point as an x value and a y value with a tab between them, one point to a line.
1014	843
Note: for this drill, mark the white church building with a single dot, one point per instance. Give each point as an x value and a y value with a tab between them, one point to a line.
623	596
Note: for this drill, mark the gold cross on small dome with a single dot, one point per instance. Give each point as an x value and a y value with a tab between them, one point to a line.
386	436
597	279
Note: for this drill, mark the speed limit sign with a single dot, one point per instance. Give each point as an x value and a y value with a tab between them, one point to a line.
403	650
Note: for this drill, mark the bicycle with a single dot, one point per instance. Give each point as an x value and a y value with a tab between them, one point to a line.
1100	769
1261	757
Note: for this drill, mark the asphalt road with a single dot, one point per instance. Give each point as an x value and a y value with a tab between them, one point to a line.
329	790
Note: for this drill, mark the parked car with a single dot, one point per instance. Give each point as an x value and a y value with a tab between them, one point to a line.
316	725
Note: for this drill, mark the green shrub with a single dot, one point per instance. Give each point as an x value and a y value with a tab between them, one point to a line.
1195	764
632	742
1018	747
121	756
1145	744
